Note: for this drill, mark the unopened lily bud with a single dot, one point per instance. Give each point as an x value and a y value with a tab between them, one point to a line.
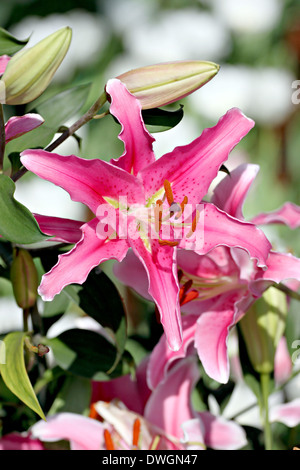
262	327
30	71
24	278
161	84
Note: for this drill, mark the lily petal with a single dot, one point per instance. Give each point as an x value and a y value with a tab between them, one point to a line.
134	393
19	125
281	267
191	168
4	59
162	357
133	274
87	181
82	432
288	413
14	441
212	332
160	265
137	140
288	214
221	434
170	403
229	195
62	230
216	227
74	266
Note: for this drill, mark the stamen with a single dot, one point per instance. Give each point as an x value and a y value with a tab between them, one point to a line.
192	295
154	443
136	432
179	274
194	224
168	191
158	215
108	440
93	413
182	206
184	289
167	242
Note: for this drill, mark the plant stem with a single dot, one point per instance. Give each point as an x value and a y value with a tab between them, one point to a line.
88	116
25	318
291	293
264	383
2	138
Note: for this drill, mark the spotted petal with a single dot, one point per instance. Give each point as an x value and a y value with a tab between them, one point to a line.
74	266
191	168
87	181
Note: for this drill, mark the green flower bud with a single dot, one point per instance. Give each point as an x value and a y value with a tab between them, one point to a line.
24	278
262	327
30	71
161	84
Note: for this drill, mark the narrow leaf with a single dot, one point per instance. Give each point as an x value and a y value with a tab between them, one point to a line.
17	224
14	372
9	44
159	120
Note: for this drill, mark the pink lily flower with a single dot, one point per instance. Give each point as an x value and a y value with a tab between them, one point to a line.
216	288
4	59
19	125
167	420
15	441
136	200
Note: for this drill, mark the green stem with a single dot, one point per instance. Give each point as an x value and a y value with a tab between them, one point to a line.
25	318
265	388
88	116
2	138
291	293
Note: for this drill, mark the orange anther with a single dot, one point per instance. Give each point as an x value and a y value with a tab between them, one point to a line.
179	274
182	206
194	224
168	243
184	289
192	295
93	413
108	440
158	215
168	191
136	432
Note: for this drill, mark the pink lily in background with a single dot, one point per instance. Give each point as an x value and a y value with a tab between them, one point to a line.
166	420
19	125
140	203
4	59
15	441
216	289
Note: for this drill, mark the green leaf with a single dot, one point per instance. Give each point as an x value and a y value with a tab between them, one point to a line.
9	44
55	111
84	353
106	307
62	107
159	120
14	372
17	224
74	396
